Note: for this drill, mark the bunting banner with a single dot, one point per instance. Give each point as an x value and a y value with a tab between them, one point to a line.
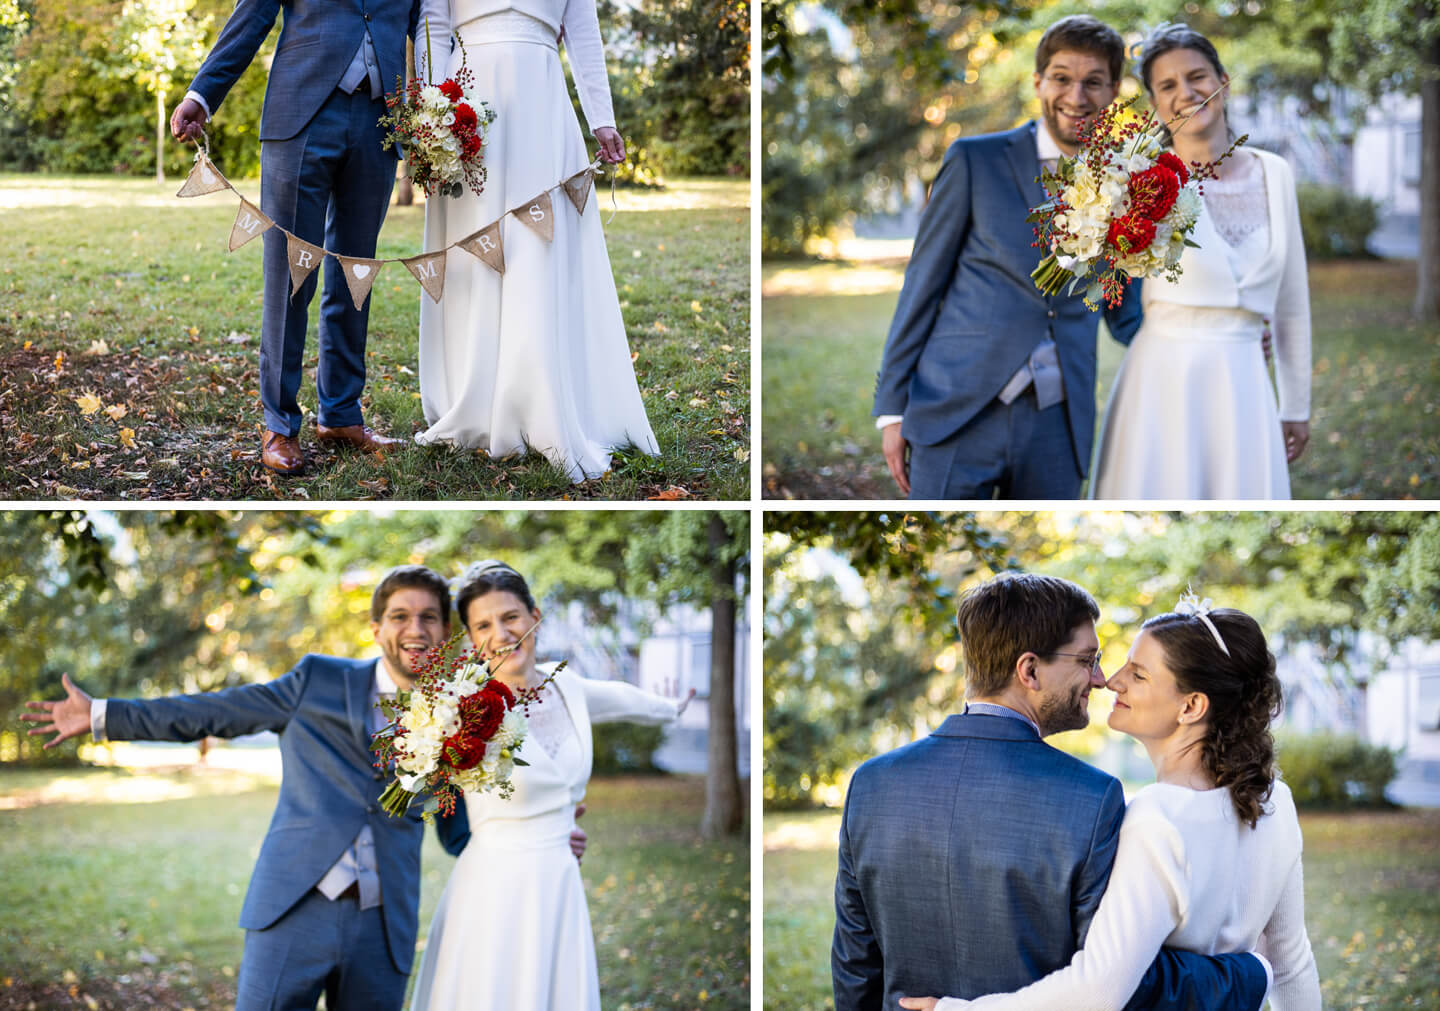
428	269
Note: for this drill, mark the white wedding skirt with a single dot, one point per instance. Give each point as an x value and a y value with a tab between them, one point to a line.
512	929
536	357
1192	414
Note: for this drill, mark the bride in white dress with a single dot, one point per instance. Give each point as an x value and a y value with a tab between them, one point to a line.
537	356
512	929
1209	855
1192	414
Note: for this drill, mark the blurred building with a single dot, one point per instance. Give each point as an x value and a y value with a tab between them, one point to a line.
667	654
1389	699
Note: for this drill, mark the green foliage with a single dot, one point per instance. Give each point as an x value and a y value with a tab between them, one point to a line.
1330	771
1336	223
626	748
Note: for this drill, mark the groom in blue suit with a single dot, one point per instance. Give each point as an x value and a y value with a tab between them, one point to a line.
972	861
987	387
325	178
333	905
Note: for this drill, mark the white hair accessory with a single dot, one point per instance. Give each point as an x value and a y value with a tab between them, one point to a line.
1192	606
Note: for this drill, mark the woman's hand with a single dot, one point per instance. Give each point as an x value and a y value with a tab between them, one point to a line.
683	703
612	145
1297	436
919	1003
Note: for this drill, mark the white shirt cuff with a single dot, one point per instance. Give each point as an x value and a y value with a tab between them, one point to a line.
886	420
201	99
1269	975
97	720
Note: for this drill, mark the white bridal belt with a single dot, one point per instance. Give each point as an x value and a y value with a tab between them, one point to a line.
1203	323
507	26
549	829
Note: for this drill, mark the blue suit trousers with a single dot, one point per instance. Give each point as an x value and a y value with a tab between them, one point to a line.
330	184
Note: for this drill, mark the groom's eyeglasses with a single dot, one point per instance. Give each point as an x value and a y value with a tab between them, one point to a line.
1092	660
1093	85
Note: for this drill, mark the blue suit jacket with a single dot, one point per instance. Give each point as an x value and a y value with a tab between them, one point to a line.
972	861
317	41
969	315
328	791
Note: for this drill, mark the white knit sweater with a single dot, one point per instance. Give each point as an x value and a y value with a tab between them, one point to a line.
1188	875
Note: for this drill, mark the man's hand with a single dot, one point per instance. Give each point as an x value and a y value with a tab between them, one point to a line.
612	145
67	718
897	455
578	838
1297	436
188	120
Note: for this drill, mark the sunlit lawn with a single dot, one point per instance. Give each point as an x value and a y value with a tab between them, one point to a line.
1372	898
1375	427
115	287
126	887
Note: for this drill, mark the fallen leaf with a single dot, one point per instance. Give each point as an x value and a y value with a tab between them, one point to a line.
117	411
127	438
88	403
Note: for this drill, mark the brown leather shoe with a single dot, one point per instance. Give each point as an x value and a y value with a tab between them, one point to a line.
281	453
360	437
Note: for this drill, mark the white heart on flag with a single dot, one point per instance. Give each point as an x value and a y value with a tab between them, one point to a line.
361	269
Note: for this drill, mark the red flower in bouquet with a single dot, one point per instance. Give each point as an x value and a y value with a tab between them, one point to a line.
1153	192
1172	161
1131	233
465	119
452	91
482	712
465	752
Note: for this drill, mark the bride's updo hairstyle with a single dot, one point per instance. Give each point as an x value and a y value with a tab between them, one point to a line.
1166	38
480	578
1238	749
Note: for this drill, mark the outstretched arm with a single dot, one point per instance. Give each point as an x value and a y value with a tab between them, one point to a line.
618	702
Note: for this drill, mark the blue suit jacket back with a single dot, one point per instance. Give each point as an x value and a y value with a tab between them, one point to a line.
972	862
318	39
969	315
329	789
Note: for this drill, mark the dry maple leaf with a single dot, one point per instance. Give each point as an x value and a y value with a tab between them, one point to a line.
88	403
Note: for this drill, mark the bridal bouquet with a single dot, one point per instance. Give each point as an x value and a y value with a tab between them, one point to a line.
442	130
456	731
1123	207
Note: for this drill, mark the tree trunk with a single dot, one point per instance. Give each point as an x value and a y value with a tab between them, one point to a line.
159	136
724	812
1427	294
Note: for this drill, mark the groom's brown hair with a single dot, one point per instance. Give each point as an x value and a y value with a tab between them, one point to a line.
410	577
1015	613
1087	35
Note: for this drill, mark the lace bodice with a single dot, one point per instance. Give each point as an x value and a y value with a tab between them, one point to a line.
1238	204
550	723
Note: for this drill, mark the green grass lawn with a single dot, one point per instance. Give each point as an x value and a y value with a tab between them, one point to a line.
1375	426
114	287
1372	908
126	890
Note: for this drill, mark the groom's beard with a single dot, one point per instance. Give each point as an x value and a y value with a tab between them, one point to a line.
1065	712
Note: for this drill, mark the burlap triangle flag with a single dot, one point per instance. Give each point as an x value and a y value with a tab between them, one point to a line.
204	178
577	188
249	222
304	258
539	215
486	244
429	270
360	274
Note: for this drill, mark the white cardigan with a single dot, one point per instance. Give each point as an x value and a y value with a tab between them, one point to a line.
583	44
1188	874
1276	287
